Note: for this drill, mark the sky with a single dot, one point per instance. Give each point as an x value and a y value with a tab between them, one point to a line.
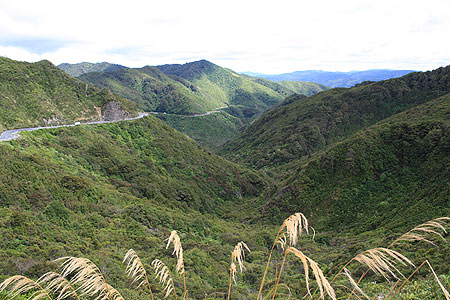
270	37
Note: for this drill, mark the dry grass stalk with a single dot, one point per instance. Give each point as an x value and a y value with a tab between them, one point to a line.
19	284
322	282
177	250
238	256
165	279
86	273
135	269
382	261
295	225
354	284
58	285
115	295
420	232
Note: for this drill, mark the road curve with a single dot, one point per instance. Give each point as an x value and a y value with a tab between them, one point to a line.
14	133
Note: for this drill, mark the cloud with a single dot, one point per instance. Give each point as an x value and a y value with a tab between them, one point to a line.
260	36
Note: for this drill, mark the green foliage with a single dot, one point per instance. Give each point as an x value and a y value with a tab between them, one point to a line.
304	126
36	94
199	87
79	69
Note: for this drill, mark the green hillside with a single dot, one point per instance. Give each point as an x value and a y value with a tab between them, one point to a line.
152	90
99	190
300	128
364	165
79	69
36	94
389	175
224	85
210	131
304	88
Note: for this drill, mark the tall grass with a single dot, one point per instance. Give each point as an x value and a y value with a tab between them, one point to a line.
80	278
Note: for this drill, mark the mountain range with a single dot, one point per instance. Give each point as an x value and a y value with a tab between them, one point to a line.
195	88
335	79
364	164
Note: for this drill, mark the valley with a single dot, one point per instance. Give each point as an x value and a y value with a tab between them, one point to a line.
363	165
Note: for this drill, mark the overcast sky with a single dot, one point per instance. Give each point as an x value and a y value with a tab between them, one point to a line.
261	36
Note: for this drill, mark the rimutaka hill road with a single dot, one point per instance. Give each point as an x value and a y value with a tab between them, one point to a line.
14	133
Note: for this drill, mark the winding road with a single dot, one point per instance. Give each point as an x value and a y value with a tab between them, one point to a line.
14	133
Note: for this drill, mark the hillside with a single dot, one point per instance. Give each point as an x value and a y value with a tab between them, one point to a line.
152	90
293	131
336	79
288	88
371	162
36	94
199	87
389	175
79	69
99	190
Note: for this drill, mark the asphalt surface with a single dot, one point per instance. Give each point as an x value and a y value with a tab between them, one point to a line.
14	133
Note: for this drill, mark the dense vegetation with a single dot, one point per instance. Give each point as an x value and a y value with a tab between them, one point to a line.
303	126
79	69
199	87
336	79
211	131
33	94
100	190
364	165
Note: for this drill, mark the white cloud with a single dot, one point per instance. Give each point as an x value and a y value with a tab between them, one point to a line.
262	36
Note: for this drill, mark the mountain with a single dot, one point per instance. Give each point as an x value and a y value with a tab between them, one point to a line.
37	94
305	125
79	69
363	164
388	175
99	190
336	79
152	90
196	88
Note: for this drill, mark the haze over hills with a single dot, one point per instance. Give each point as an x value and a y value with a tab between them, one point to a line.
335	79
79	69
196	88
39	94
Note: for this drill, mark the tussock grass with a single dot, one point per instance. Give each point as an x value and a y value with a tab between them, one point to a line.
237	256
162	271
58	285
135	269
19	284
80	278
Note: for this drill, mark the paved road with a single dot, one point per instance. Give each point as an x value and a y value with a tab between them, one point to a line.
14	133
191	115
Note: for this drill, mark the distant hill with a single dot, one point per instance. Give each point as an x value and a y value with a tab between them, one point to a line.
36	94
306	125
335	79
76	70
391	174
198	87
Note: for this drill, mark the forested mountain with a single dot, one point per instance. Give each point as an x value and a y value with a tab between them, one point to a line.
34	94
79	69
99	190
335	79
196	88
306	125
364	165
